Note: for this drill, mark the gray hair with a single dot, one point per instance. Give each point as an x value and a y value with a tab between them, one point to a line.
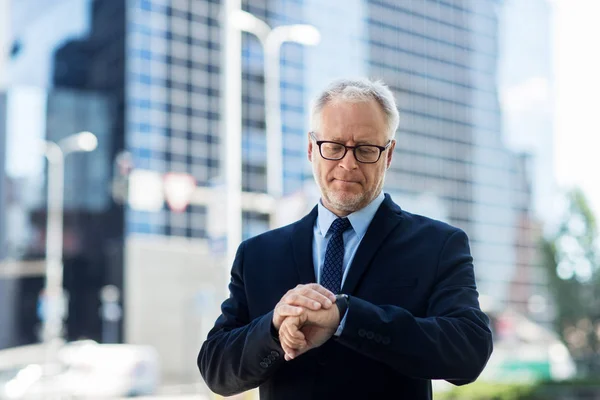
357	91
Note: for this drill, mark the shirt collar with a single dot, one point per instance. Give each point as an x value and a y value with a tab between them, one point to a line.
360	219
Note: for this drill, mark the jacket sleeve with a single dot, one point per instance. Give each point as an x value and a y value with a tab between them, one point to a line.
239	354
453	342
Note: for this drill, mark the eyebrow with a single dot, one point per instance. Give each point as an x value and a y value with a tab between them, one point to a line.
357	143
363	142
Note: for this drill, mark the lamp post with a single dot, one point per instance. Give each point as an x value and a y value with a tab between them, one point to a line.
55	154
231	123
271	40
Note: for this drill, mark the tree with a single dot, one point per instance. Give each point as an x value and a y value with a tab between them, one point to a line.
571	256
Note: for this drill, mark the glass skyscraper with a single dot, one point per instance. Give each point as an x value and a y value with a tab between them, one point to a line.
440	58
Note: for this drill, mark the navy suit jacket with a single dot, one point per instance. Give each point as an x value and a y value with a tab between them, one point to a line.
413	315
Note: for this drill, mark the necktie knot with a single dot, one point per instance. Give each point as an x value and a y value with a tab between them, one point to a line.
340	225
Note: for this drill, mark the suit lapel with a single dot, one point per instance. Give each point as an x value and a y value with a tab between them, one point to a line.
385	220
302	247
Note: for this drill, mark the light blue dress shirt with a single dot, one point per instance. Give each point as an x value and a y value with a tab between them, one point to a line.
360	221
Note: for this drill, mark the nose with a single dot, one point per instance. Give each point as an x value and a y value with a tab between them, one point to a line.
349	161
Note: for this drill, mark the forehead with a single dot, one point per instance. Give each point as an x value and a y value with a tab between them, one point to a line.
358	121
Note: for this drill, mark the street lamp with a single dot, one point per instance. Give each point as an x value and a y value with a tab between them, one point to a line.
271	40
231	123
55	154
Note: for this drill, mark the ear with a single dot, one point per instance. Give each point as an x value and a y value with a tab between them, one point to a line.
310	148
390	154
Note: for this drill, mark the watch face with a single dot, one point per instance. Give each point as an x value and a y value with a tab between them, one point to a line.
341	298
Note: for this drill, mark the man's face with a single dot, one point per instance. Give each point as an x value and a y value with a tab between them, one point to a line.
348	185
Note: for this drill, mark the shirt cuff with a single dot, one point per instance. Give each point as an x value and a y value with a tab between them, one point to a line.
340	328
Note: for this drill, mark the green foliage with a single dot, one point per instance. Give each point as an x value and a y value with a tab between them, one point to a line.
572	389
489	391
571	259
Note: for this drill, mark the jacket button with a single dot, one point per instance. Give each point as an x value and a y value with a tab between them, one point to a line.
362	332
275	354
370	335
264	364
377	338
386	340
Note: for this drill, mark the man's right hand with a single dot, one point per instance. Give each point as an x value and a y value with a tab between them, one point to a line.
311	296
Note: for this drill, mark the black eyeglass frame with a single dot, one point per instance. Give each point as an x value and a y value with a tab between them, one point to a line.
353	148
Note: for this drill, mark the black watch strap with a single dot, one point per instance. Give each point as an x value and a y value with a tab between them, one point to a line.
341	301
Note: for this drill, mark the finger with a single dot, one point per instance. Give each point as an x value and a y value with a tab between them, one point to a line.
290	354
283	311
314	287
297	333
286	349
293	328
291	335
322	291
311	301
289	348
314	292
286	310
288	333
305	295
286	344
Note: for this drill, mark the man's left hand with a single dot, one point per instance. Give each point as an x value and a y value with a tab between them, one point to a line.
307	331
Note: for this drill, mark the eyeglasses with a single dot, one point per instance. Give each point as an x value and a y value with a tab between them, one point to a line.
364	153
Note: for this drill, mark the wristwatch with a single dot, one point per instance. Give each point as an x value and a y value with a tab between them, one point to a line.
342	301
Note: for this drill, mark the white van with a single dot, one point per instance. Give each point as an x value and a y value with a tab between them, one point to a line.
86	369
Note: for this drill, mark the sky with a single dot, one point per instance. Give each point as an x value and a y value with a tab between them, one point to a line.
576	45
31	72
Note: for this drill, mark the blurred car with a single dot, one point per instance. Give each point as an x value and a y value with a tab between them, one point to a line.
88	369
7	375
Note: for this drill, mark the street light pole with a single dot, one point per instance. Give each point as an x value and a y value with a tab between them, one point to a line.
53	290
272	40
272	47
231	123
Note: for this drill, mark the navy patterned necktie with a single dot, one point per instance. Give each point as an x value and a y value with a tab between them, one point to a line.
333	266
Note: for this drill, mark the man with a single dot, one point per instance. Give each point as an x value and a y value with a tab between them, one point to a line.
359	299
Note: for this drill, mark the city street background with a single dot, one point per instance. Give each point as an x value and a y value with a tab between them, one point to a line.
142	140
